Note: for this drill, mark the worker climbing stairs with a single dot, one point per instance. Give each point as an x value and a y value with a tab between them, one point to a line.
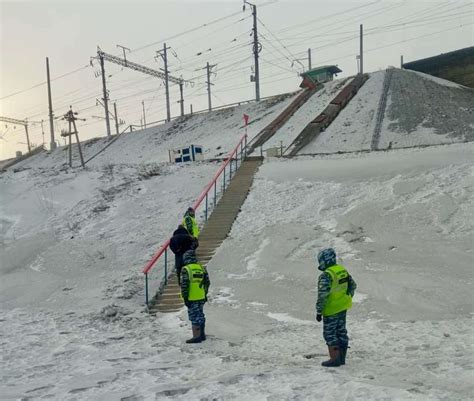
214	231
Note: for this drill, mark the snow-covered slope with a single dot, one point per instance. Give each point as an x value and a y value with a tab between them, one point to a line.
306	113
421	110
73	243
218	132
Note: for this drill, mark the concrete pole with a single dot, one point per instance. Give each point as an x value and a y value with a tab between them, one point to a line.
77	140
165	59
209	87
106	96
27	137
116	119
50	103
182	98
255	52
70	143
361	49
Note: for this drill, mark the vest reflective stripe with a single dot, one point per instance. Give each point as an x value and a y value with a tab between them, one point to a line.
196	275
338	299
195	228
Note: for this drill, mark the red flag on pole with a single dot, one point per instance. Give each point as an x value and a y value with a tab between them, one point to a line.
246	118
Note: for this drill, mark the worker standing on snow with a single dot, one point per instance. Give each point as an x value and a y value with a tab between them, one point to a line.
194	287
180	242
335	291
189	222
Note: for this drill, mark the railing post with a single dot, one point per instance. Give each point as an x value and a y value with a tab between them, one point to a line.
245	151
241	150
146	289
230	167
206	205
215	192
166	266
223	190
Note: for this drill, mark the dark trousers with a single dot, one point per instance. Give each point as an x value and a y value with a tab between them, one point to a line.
334	329
196	313
178	265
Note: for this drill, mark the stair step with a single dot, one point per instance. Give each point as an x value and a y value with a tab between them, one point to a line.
165	309
175	302
216	229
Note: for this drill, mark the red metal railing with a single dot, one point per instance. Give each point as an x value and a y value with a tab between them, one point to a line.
232	158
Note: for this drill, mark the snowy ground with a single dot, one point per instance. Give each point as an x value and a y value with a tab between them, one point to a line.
305	114
218	132
74	242
421	110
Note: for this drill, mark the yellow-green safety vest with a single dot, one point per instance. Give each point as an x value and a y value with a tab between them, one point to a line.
338	299
195	228
196	292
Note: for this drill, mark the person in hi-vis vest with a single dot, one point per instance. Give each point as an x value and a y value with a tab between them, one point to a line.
194	287
336	288
189	222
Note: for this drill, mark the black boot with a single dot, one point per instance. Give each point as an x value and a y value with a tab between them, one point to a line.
343	349
196	336
203	332
335	357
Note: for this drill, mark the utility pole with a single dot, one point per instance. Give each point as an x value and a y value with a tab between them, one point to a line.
42	131
164	55
168	111
71	118
106	96
181	101
144	117
257	48
50	103
209	67
116	118
361	53
146	70
401	61
27	136
309	58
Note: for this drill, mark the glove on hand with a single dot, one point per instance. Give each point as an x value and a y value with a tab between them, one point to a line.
319	317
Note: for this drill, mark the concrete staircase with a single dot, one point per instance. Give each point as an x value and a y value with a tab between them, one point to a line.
270	130
329	114
214	232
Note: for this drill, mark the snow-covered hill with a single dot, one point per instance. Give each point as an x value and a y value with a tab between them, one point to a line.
421	110
217	131
73	243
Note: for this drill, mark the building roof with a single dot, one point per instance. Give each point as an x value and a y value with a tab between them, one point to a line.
443	58
333	69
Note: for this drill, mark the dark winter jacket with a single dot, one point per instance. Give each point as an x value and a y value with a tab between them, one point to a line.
181	241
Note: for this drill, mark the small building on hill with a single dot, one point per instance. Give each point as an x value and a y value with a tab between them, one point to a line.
456	66
189	153
319	75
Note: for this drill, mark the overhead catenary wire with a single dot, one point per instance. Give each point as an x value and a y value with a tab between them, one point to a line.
231	64
45	82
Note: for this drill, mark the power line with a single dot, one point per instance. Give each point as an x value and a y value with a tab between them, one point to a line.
186	32
44	83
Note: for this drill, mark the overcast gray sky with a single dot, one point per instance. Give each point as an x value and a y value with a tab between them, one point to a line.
217	32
